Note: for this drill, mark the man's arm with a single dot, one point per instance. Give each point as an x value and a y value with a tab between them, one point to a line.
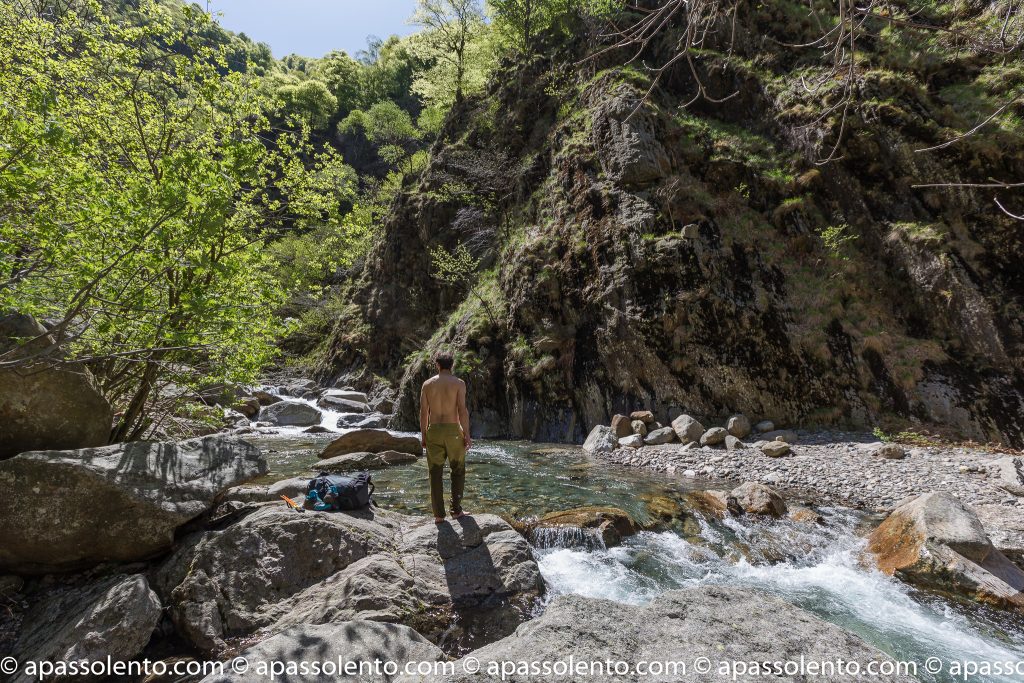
464	416
424	415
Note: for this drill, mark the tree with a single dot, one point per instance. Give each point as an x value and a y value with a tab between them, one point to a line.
138	185
310	100
450	25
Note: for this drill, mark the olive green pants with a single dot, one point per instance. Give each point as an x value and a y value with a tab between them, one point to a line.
444	442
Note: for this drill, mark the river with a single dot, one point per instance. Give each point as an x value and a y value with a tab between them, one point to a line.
820	567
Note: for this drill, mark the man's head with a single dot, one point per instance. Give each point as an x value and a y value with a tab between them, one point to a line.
445	360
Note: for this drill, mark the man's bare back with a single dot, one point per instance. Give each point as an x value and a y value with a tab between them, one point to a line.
443	401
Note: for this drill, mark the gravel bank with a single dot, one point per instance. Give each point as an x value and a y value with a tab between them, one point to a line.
836	468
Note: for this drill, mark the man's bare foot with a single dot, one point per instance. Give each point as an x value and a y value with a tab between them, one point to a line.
439	520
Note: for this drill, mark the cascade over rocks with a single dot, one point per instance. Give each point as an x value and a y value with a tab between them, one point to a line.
65	510
936	542
610	525
44	407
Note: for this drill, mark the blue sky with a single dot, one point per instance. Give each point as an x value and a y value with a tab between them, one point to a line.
312	28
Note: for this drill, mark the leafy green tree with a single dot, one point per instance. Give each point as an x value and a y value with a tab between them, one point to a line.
309	100
450	26
139	182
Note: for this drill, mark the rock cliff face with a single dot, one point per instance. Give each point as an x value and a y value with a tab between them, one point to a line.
641	254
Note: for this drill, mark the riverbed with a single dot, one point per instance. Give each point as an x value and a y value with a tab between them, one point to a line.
821	567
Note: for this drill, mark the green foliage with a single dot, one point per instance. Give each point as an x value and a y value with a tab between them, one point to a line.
310	101
454	267
836	239
138	185
455	48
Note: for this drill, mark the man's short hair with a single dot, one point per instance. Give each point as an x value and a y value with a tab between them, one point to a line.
444	359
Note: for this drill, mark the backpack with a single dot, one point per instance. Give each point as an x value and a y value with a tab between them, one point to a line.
350	492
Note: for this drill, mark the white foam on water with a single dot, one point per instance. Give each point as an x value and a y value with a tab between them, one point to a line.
821	570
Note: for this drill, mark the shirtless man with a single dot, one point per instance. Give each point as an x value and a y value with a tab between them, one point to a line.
444	425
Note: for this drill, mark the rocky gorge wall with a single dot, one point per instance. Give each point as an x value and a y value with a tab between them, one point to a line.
639	254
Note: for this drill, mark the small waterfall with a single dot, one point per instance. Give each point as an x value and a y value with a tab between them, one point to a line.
545	538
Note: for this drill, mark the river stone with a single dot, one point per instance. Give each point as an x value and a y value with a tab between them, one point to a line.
600	440
687	429
890	451
128	499
112	618
935	541
608	524
347	641
621	426
1004	525
275	569
787	435
632	441
249	406
231	582
738	426
642	415
46	407
290	414
764	426
734	444
1010	475
758	499
715	622
372	441
347	394
266	398
639	428
775	449
342	404
362	421
713	437
660	436
714	503
364	461
293	487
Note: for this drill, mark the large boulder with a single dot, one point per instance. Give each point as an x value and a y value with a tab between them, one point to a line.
1004	525
290	414
738	426
621	426
65	510
687	429
364	643
586	526
372	441
713	436
601	439
362	421
276	569
46	407
342	404
758	499
936	542
660	436
233	581
112	618
364	461
1010	475
712	622
347	394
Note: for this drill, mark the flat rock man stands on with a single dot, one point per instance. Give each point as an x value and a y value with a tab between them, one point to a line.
444	425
